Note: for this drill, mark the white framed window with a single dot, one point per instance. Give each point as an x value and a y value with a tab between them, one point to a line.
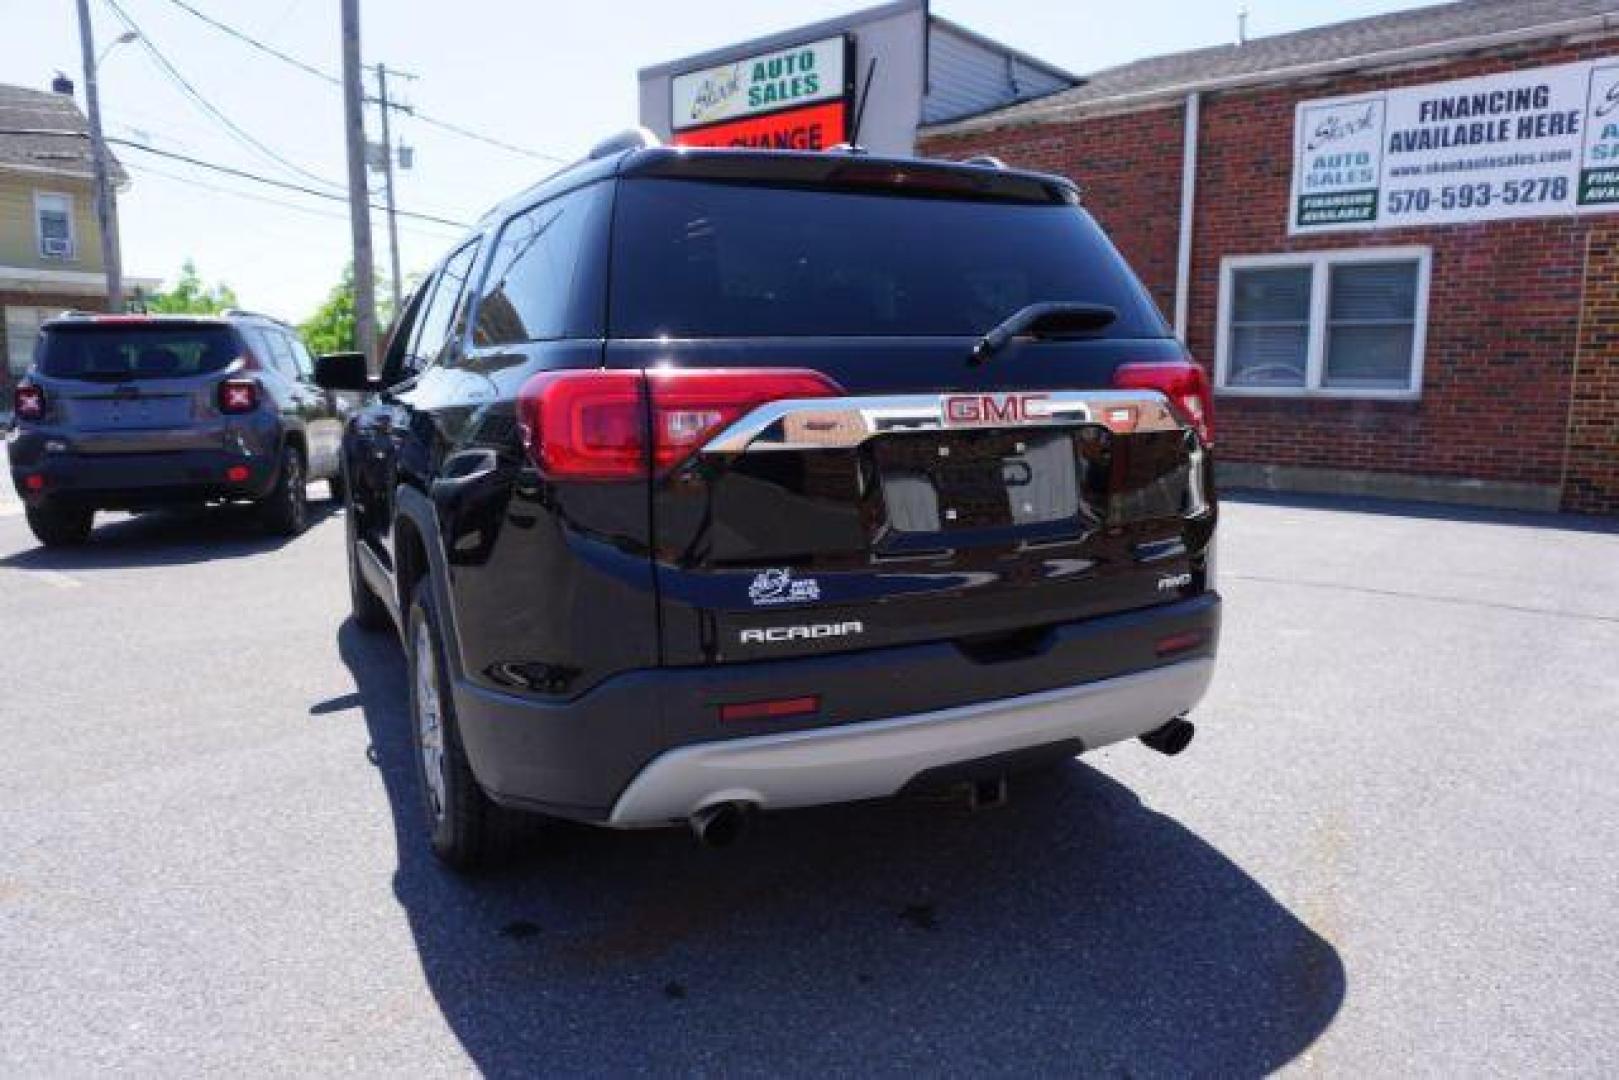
53	222
1350	323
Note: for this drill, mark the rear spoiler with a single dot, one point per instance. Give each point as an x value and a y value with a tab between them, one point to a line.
844	171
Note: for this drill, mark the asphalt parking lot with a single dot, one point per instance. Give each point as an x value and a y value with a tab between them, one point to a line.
1393	849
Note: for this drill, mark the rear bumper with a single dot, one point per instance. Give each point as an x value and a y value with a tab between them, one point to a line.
878	758
117	480
643	747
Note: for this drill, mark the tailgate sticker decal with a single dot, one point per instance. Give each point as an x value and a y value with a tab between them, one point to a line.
779	587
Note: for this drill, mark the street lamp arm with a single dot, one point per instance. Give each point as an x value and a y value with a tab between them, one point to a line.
122	39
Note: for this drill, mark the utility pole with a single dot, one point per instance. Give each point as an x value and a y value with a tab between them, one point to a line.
106	211
365	279
388	179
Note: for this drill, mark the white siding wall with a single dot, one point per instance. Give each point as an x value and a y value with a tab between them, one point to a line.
966	77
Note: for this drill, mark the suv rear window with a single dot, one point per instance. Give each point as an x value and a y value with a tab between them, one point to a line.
714	259
102	352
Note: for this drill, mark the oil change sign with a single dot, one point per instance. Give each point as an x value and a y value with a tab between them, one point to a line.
1535	143
790	78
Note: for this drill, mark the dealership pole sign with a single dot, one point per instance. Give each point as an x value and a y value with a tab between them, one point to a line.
796	98
1540	142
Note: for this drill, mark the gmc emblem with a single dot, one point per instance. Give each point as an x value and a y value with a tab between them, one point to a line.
979	410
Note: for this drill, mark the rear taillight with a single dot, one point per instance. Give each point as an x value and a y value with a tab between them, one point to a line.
1183	382
692	405
585	425
28	403
238	396
596	425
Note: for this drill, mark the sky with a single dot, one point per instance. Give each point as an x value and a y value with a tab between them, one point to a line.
550	76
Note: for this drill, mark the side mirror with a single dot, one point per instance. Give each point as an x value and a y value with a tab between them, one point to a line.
344	371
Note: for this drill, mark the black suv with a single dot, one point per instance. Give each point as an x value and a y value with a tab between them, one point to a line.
701	482
132	412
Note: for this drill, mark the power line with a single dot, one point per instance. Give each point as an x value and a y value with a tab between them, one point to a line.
113	140
469	134
287	185
248	39
196	96
192	181
328	77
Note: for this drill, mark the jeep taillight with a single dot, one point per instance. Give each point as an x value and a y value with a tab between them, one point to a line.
1183	382
28	402
238	396
623	425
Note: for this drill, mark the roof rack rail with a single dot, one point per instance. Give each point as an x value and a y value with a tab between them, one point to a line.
635	138
989	161
236	312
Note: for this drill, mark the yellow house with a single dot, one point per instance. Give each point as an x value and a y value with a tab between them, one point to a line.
50	244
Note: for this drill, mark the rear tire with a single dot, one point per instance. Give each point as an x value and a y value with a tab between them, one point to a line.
467	831
285	511
60	526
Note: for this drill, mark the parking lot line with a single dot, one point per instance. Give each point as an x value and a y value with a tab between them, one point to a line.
54	578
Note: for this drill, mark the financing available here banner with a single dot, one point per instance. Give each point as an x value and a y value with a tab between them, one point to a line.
1533	143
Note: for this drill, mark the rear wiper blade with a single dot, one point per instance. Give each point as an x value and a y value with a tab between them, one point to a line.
1050	319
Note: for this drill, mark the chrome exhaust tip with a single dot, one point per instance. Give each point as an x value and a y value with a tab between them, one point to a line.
722	824
1172	738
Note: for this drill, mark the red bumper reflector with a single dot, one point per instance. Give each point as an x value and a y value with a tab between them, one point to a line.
34	482
771	710
236	474
1179	643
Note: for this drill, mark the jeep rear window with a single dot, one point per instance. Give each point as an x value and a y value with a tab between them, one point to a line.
119	352
715	259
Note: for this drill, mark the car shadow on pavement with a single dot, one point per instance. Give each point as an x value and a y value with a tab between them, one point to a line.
165	538
1074	930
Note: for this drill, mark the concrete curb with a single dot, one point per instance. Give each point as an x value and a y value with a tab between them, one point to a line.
1456	491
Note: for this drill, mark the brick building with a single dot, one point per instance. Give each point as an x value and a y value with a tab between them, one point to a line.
1394	241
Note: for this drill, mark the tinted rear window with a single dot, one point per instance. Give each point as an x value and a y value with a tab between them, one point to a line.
119	353
708	259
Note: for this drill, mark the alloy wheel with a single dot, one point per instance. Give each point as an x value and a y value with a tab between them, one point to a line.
430	721
296	495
